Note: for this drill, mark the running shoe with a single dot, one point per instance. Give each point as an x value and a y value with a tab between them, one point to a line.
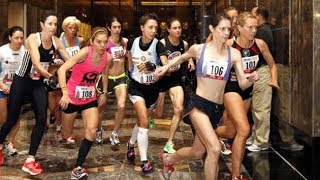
11	149
131	156
99	138
79	173
240	178
59	136
291	146
32	168
224	149
168	148
146	167
71	140
256	148
249	141
167	168
1	158
114	138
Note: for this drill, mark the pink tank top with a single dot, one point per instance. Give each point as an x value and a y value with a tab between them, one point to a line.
112	49
81	85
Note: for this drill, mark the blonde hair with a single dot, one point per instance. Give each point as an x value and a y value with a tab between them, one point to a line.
70	20
241	20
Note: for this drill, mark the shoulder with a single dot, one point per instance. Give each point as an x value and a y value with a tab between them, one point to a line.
185	44
197	47
235	54
32	40
260	43
125	40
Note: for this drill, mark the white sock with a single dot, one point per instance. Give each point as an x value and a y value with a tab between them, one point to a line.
143	143
134	134
30	159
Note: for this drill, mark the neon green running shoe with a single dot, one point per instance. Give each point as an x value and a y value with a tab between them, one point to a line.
168	148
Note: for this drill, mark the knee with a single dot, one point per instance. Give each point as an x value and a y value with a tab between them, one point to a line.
178	110
214	150
90	133
121	106
243	131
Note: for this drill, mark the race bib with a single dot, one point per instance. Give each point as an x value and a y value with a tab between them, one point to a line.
73	50
147	78
8	76
117	50
84	92
171	57
215	69
250	63
34	74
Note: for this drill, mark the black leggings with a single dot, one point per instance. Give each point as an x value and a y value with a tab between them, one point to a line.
20	88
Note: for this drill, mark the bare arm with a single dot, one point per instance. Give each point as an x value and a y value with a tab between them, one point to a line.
269	59
129	56
191	65
62	51
103	98
191	53
33	47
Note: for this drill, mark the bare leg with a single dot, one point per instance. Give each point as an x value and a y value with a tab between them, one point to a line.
238	115
121	94
67	124
158	112
176	95
210	141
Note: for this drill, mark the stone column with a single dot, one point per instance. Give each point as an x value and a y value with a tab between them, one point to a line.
4	17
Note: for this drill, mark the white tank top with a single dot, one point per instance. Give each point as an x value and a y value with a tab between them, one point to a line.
10	61
138	57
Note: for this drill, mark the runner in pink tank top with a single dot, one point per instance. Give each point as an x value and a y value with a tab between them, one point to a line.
81	85
79	95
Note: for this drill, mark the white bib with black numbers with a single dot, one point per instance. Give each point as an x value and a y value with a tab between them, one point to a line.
73	50
171	57
8	76
117	50
215	69
139	57
250	64
147	78
84	92
34	74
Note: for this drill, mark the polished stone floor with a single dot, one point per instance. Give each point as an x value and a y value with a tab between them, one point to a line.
108	162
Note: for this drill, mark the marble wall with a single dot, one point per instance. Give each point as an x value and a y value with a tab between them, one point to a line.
4	19
316	69
302	64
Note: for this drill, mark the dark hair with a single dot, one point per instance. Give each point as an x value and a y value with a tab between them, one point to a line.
147	17
171	20
263	11
230	8
215	21
219	17
109	24
9	32
46	14
113	19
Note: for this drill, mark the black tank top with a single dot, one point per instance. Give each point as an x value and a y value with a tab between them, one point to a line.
247	53
46	55
173	51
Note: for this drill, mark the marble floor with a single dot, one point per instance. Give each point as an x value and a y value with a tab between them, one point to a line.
109	162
